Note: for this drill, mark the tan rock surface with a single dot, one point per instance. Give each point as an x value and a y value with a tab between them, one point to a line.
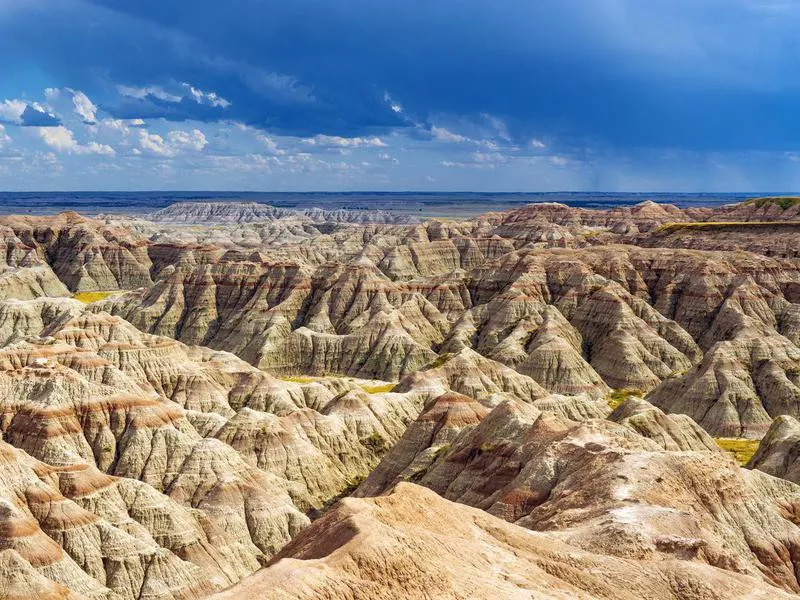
147	456
779	450
605	488
413	544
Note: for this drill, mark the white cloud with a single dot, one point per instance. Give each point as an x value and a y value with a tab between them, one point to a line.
193	140
58	138
499	126
388	158
176	142
538	144
151	90
344	142
4	138
442	134
489	157
103	149
118	125
11	110
271	144
395	107
445	135
202	97
62	139
84	107
559	161
154	143
156	91
52	94
467	165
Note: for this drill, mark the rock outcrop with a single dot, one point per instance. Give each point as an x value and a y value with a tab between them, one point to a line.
204	213
605	488
414	544
672	432
779	450
136	466
169	440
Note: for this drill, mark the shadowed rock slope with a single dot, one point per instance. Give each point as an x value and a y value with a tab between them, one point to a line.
779	450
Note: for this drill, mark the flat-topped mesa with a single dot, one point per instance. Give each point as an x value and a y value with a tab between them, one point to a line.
644	216
233	212
769	208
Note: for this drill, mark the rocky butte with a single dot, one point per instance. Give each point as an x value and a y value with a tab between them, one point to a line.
548	402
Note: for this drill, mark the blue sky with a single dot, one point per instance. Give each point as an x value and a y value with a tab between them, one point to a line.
505	95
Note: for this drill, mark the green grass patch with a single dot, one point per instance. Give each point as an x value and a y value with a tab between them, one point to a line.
441	450
90	297
723	225
741	449
378	389
783	201
438	362
298	379
617	397
375	442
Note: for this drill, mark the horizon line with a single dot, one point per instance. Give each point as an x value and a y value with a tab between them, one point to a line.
420	192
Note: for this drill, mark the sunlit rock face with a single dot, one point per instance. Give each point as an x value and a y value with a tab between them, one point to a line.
538	384
413	543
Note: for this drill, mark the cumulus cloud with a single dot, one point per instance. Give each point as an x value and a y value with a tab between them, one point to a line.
538	144
20	112
193	140
155	144
11	110
95	148
62	139
4	137
59	138
176	142
345	142
84	107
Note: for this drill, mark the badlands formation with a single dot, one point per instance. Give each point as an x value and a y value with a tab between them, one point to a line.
266	403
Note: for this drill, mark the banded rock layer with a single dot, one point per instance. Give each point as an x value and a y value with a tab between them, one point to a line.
414	544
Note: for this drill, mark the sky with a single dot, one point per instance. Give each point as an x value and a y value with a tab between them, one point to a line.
417	95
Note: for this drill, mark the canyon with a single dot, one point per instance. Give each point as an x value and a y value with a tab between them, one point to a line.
233	400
